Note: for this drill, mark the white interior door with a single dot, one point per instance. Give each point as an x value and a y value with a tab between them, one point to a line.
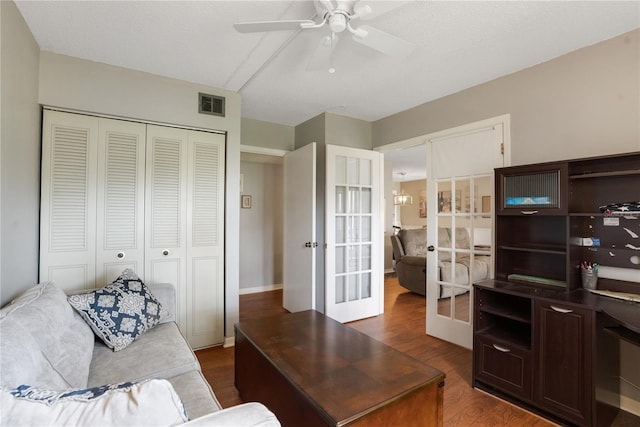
354	209
459	225
299	257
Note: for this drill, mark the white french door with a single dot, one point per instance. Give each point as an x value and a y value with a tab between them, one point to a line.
354	253
460	190
299	257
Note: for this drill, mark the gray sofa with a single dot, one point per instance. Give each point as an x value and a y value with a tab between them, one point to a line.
45	343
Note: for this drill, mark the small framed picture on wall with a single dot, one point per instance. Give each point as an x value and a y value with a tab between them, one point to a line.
245	202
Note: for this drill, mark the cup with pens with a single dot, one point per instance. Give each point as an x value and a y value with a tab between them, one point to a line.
589	274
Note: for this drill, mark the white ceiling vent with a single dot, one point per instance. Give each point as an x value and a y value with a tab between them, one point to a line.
210	104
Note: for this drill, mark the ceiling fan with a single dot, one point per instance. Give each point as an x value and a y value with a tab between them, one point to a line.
338	16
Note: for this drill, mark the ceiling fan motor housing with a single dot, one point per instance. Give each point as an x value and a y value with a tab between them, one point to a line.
336	12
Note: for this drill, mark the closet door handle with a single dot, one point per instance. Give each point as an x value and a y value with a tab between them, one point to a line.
561	310
165	252
120	255
500	348
528	212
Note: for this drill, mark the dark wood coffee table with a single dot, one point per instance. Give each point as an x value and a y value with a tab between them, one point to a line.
313	371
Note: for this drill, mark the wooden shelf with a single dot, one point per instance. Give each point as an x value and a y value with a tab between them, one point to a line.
545	249
605	174
506	313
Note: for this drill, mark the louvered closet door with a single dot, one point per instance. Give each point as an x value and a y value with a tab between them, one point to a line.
120	199
68	200
205	239
166	211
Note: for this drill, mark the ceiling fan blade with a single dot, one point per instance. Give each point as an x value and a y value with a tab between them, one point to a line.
321	58
383	42
256	27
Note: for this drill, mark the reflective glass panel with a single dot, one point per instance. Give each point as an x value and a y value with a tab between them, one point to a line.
340	291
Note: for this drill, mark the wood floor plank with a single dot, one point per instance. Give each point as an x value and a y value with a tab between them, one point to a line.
402	326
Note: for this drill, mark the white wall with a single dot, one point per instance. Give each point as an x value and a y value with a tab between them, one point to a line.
94	87
19	155
261	226
585	103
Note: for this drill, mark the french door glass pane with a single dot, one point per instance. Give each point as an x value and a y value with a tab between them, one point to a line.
366	257
366	200
341	229
340	257
341	199
353	171
354	200
340	291
366	229
365	285
353	287
354	258
341	170
365	172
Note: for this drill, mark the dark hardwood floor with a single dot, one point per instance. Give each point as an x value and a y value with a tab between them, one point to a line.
402	326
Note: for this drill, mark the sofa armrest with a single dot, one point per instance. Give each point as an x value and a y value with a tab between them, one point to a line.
166	294
246	415
420	261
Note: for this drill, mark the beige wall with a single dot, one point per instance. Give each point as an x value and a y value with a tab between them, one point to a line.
313	130
269	135
348	132
582	104
95	87
410	214
19	154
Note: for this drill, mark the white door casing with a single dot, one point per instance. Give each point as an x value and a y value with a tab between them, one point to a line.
460	165
299	257
354	257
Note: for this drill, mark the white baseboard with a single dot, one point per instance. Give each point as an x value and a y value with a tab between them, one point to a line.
255	290
229	342
389	271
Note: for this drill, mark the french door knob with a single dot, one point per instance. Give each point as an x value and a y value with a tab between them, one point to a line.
430	248
307	245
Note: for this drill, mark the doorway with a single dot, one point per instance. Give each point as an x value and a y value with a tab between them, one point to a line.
467	207
261	219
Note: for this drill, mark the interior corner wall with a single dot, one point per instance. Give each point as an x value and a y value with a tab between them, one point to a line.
261	226
258	133
585	103
20	119
94	87
348	132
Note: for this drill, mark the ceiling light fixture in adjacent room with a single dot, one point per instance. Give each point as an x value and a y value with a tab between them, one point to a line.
403	198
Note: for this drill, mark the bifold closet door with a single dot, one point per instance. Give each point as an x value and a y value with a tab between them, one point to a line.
68	200
120	199
185	226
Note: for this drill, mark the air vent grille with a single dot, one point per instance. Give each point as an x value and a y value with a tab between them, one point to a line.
211	104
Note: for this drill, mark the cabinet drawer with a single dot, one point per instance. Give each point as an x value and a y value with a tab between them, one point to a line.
503	366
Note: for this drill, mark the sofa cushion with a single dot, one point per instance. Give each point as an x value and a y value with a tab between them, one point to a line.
120	312
250	414
150	403
414	241
160	353
43	341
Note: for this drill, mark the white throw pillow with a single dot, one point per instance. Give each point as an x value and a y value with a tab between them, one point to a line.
148	403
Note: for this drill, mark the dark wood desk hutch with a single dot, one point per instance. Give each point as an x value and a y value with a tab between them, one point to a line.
541	340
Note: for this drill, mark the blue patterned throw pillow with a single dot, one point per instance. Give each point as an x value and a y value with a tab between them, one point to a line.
120	312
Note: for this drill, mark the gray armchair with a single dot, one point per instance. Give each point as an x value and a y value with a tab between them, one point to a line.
410	255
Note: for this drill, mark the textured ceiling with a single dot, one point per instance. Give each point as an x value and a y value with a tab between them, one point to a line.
459	45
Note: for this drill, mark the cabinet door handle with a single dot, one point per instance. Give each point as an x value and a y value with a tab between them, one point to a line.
500	348
528	212
561	310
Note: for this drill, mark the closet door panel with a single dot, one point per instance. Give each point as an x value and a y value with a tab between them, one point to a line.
68	197
120	200
166	211
205	239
